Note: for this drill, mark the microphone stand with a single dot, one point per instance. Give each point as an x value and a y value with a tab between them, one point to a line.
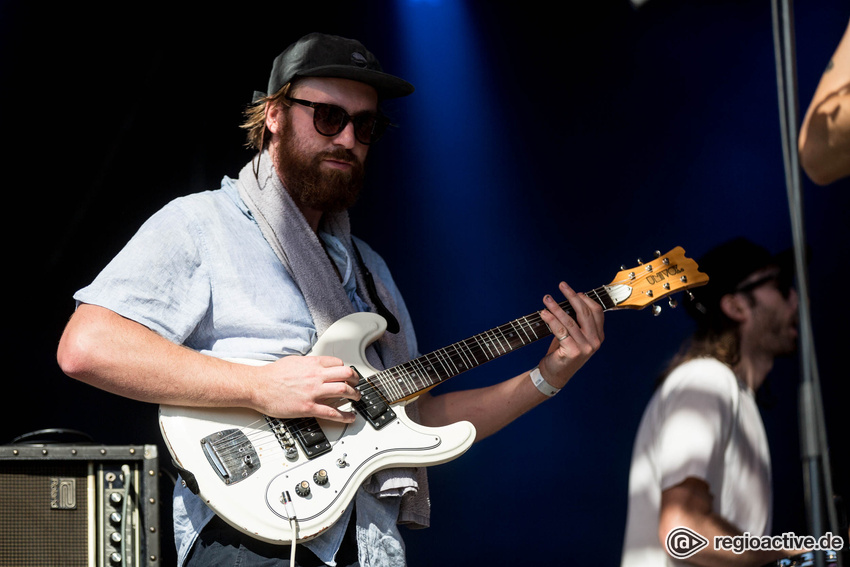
813	443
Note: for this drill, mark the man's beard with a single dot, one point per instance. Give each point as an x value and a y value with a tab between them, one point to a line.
314	186
777	336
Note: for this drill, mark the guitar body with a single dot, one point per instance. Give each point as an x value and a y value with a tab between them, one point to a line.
244	478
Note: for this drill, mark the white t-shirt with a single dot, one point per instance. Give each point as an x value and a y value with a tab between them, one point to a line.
702	422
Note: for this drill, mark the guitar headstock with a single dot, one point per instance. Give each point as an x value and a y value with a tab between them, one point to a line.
647	283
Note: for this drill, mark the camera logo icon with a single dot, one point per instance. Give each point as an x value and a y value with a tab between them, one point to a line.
683	542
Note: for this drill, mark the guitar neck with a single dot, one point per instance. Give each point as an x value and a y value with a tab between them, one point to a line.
411	378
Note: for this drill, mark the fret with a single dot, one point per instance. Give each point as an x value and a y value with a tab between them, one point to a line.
391	381
464	351
403	378
444	356
520	341
459	359
485	348
411	378
530	327
606	301
515	324
600	296
494	339
504	340
406	380
488	345
398	384
436	366
425	371
449	354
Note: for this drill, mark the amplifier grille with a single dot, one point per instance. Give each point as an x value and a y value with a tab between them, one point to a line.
41	523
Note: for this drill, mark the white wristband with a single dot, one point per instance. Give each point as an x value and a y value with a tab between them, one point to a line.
541	384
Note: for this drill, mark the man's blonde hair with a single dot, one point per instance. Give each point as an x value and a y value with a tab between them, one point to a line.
255	118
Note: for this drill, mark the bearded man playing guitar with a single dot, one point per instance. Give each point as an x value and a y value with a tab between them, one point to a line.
258	271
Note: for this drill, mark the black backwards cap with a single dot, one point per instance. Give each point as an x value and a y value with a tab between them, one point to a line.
729	265
322	55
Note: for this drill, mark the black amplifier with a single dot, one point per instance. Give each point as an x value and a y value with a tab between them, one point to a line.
79	505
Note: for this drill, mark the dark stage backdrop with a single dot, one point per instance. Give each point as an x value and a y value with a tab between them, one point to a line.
542	144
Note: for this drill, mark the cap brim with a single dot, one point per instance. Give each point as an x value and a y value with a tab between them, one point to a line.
388	86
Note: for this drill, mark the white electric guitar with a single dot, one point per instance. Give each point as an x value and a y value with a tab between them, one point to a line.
256	472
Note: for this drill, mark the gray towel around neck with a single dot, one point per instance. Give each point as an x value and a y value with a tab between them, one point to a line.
299	249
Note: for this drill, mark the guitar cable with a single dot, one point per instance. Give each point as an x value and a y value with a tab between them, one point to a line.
293	523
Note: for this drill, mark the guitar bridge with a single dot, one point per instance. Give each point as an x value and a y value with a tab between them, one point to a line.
231	455
372	405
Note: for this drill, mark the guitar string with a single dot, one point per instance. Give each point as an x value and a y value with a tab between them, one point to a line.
471	346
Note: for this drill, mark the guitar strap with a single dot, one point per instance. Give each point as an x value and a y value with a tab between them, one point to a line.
392	322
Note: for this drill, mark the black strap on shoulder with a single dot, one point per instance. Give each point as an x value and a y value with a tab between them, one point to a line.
392	323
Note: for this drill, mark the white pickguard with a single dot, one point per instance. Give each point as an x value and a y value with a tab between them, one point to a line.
254	505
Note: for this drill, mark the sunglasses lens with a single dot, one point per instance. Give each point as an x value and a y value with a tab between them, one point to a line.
369	128
328	119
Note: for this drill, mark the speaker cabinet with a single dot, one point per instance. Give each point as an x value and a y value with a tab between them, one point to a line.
79	505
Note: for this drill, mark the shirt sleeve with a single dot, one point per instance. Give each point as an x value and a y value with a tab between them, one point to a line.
695	423
158	279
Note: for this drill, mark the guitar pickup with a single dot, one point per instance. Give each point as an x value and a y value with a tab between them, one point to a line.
372	405
310	436
231	455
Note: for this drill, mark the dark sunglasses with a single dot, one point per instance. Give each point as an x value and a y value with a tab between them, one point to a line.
782	280
330	120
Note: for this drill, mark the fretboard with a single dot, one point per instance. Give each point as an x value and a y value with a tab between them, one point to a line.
410	378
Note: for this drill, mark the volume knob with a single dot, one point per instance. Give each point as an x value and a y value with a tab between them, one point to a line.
321	477
302	488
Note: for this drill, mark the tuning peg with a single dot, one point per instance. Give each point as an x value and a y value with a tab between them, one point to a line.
640	262
673	303
658	253
656	310
690	295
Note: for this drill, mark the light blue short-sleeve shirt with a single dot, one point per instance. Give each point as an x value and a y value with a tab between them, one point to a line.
200	273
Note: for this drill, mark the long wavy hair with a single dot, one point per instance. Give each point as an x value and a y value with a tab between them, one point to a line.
716	336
